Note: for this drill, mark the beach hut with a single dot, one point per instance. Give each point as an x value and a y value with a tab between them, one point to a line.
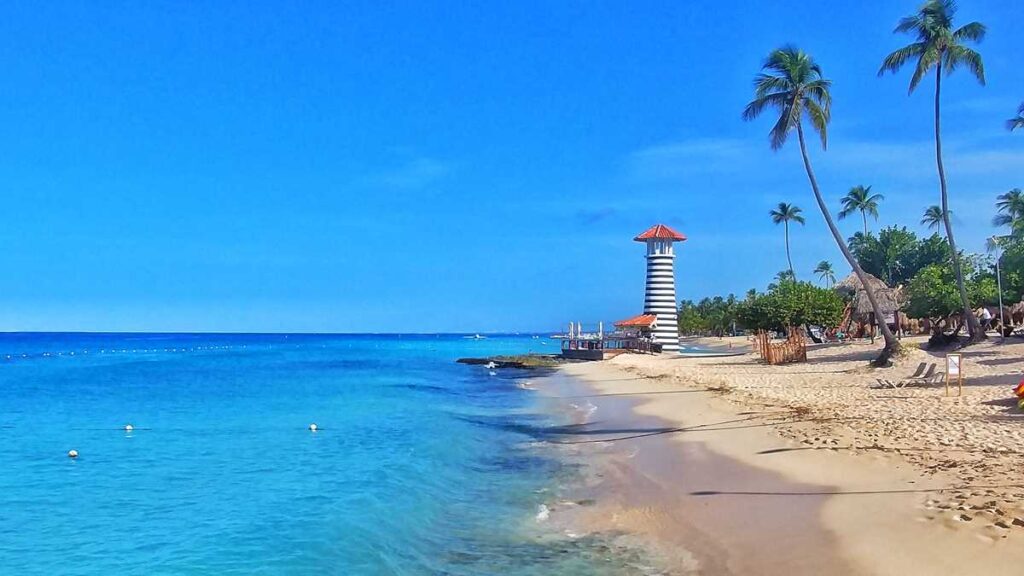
859	309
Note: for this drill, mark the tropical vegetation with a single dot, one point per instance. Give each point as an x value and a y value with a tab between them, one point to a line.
825	273
940	47
932	279
784	214
792	84
860	199
932	217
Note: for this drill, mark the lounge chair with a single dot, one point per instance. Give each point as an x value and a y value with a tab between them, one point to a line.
920	376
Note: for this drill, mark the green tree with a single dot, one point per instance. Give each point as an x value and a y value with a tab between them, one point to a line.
784	214
932	293
1018	121
714	315
689	319
1010	210
792	84
932	217
931	250
825	273
792	304
860	199
897	254
941	47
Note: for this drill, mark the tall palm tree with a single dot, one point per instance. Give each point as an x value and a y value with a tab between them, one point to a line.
1010	208
784	214
1018	121
860	199
825	273
932	217
792	84
941	47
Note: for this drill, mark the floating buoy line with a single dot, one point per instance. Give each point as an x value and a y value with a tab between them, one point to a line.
73	453
107	351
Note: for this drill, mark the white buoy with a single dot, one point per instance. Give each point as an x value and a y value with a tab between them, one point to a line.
72	453
128	428
312	428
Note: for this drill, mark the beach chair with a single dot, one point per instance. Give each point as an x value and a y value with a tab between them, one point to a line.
923	371
927	378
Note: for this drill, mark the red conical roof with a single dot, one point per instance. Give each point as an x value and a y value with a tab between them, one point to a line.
642	321
660	232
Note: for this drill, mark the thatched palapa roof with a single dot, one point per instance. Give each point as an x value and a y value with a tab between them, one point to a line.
888	298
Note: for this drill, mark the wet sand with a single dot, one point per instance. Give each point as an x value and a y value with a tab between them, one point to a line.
647	482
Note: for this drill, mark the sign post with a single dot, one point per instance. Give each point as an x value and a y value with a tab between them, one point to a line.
954	368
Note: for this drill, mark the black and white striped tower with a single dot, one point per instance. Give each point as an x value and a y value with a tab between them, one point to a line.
660	293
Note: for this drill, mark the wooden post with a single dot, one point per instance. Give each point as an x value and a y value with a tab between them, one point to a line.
954	367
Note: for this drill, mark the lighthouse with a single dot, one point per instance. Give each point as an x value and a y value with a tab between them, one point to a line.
660	292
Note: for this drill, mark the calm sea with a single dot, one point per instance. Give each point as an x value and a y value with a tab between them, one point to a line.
420	465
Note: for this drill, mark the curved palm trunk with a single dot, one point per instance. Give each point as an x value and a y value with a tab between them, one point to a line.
973	327
788	257
892	345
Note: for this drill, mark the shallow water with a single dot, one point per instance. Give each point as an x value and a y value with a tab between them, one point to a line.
420	465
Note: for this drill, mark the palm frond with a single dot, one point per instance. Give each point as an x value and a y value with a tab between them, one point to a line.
766	84
1018	122
757	106
894	61
973	32
956	56
928	59
1002	220
819	118
909	24
780	131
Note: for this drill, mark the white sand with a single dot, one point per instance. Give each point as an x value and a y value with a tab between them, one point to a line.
918	484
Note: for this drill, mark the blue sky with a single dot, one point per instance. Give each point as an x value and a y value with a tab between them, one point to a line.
431	167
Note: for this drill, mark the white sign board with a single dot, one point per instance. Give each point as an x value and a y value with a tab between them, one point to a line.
953	364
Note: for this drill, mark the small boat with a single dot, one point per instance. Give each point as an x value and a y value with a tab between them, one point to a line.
476	337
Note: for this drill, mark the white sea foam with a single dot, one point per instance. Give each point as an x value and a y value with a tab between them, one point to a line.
543	513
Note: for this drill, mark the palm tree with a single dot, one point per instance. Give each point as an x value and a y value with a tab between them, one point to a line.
1010	208
1017	122
793	85
932	217
825	273
941	47
860	199
785	276
783	214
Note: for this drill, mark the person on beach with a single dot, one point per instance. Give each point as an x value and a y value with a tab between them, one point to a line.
986	318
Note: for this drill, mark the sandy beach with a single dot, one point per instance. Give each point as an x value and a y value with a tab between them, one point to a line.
729	466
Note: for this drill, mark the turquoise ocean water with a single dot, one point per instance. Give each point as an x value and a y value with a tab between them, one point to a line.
420	466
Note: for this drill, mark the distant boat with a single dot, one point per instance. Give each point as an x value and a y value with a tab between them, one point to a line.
476	337
535	337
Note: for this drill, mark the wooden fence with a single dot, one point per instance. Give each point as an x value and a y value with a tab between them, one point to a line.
793	349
